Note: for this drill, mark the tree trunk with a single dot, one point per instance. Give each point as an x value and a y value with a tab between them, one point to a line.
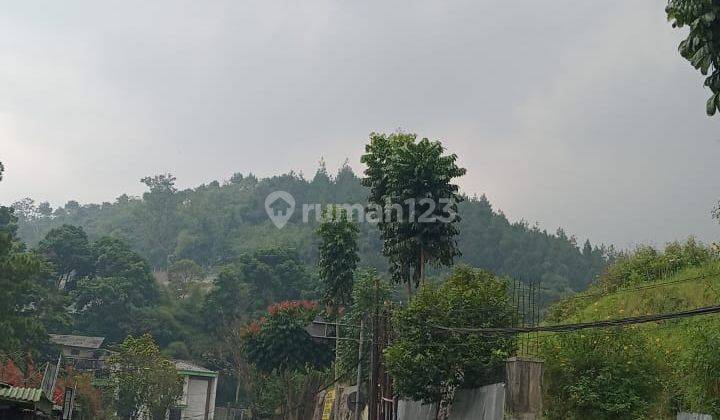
237	390
288	398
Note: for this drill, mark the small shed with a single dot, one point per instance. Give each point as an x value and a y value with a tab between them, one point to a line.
17	403
198	399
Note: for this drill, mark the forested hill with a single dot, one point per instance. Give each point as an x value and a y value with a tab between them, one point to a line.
215	222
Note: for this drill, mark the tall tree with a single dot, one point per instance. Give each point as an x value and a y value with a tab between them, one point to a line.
229	299
279	344
160	221
29	309
702	45
336	263
68	249
412	181
143	379
108	301
338	256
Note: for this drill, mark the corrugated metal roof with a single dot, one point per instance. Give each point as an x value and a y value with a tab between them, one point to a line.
185	366
77	341
21	394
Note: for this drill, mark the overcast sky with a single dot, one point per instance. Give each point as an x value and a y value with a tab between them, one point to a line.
570	113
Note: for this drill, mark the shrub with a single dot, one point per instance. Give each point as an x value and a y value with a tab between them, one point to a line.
648	264
428	364
599	374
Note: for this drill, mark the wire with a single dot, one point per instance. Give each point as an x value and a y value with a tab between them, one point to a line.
585	325
636	289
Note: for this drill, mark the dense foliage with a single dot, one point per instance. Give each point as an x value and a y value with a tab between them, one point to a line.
214	223
193	267
428	364
371	296
697	370
702	45
143	379
29	306
121	286
411	186
278	345
279	341
255	280
646	263
68	249
599	374
643	371
337	256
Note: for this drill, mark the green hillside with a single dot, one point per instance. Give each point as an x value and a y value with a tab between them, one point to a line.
648	370
214	223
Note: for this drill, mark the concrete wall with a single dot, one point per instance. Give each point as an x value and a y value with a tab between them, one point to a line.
226	413
693	416
485	403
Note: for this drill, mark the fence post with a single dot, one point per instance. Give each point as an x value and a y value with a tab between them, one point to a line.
523	399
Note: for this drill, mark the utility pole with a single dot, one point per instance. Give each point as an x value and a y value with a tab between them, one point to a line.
337	357
374	349
359	370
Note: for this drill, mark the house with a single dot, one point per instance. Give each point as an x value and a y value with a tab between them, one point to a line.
82	352
198	399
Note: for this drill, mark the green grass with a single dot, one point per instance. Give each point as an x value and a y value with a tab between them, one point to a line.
668	341
688	289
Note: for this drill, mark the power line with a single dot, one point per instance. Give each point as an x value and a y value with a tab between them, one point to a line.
585	325
636	289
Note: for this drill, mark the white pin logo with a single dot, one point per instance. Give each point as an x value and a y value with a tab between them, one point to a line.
279	206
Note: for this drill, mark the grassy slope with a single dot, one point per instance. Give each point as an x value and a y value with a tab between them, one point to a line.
668	340
690	288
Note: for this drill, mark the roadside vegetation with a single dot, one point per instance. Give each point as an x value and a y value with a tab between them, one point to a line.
648	370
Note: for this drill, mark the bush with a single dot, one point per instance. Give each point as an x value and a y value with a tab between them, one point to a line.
599	374
697	371
428	364
648	264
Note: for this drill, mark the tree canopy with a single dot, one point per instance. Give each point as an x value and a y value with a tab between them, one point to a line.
337	259
428	364
68	249
702	45
411	183
108	301
144	379
216	222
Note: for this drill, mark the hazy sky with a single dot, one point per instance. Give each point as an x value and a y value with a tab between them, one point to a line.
572	113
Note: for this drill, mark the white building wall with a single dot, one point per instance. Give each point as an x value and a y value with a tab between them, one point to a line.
199	388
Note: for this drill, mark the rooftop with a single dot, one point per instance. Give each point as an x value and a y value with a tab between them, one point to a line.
15	393
77	341
190	368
